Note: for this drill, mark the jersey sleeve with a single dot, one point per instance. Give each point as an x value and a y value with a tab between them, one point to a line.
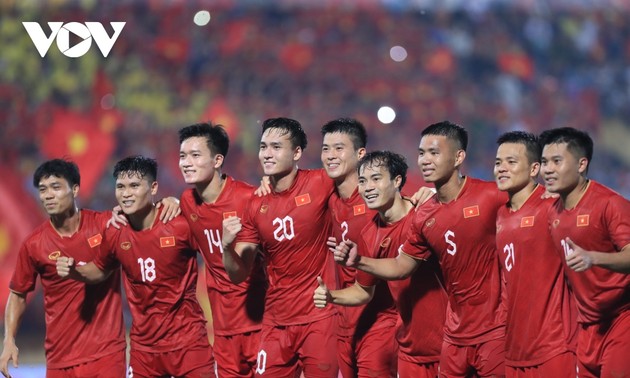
364	278
249	232
616	215
106	259
25	273
416	245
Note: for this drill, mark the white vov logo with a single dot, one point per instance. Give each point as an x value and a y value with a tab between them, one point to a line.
89	31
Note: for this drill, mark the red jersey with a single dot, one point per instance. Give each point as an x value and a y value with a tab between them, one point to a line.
83	322
420	299
292	228
236	308
461	234
160	279
349	216
540	312
599	222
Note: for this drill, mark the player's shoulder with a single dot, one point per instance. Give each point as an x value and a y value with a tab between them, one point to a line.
241	187
601	191
482	185
189	197
36	235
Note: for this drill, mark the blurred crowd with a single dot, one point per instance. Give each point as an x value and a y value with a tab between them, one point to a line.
494	70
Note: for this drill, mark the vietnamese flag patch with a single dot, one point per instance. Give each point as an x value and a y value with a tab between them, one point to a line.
527	221
95	240
302	200
358	209
582	220
471	211
228	214
167	241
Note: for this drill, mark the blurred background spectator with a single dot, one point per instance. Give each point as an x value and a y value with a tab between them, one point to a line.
491	65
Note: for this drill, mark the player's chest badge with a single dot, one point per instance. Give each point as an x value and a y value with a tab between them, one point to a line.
125	245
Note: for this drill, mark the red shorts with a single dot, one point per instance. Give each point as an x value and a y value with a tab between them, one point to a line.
236	354
562	366
195	362
486	359
409	369
109	366
312	346
604	348
373	355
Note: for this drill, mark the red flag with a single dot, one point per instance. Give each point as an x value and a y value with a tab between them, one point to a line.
167	241
78	137
19	216
471	211
302	200
220	113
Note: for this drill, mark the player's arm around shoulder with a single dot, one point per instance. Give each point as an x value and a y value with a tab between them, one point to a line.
354	295
238	257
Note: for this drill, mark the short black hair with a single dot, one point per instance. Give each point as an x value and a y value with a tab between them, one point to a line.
579	143
450	130
529	140
350	126
216	136
137	165
396	164
61	168
287	126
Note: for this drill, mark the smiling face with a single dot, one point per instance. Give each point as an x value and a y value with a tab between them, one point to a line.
438	158
196	161
56	195
277	155
561	170
512	169
133	193
339	157
376	186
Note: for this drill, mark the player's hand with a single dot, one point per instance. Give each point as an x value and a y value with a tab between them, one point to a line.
346	253
421	196
264	188
64	266
9	352
321	296
578	259
331	243
548	194
118	218
231	227
171	208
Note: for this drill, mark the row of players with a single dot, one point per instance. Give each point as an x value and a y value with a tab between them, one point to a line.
476	275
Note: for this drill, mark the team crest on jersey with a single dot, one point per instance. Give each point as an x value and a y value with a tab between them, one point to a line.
527	221
555	223
471	211
499	227
302	200
194	217
167	241
228	214
430	222
582	220
385	243
264	208
95	240
125	245
358	209
54	255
